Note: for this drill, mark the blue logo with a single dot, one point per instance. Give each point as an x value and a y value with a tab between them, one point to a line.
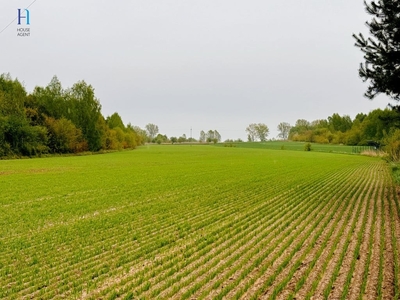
21	16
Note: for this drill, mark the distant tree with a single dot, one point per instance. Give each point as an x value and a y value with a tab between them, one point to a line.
182	138
258	131
173	139
202	137
381	51
217	136
284	129
141	134
152	131
262	131
338	123
320	123
161	139
210	136
303	124
251	132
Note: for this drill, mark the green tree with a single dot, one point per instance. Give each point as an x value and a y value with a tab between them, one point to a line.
217	136
85	113
251	132
52	100
17	136
152	131
182	139
141	135
258	131
202	138
381	51
210	135
115	121
338	123
284	129
161	139
262	131
64	136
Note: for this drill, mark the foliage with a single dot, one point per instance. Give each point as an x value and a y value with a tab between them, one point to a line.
161	139
363	130
64	136
114	121
392	145
284	129
52	119
307	147
202	138
258	131
211	136
381	51
152	131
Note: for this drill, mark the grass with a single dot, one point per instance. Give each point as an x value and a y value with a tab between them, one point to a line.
179	221
296	146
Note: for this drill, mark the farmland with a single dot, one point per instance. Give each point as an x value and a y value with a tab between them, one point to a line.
199	222
298	146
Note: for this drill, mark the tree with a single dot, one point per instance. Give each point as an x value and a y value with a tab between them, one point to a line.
141	134
64	136
262	131
217	136
202	137
257	131
382	50
52	100
85	112
182	139
251	132
115	121
161	139
152	131
284	129
338	123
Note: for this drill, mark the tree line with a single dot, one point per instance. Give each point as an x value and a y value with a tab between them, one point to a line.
52	119
373	128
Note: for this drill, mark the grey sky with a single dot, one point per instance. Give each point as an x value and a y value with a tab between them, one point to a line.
209	64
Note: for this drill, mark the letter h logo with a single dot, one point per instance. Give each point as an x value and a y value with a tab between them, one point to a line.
20	16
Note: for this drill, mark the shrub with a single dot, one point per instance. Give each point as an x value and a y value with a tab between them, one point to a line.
307	147
392	145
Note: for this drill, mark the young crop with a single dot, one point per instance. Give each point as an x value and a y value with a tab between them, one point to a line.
199	222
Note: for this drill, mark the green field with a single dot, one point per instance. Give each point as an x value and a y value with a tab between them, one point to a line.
298	146
194	222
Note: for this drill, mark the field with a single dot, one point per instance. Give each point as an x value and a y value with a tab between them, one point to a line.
299	146
199	222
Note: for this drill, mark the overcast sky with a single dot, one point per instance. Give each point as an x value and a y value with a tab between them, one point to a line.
201	64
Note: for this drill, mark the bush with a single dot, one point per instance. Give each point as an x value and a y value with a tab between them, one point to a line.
307	147
392	145
229	145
